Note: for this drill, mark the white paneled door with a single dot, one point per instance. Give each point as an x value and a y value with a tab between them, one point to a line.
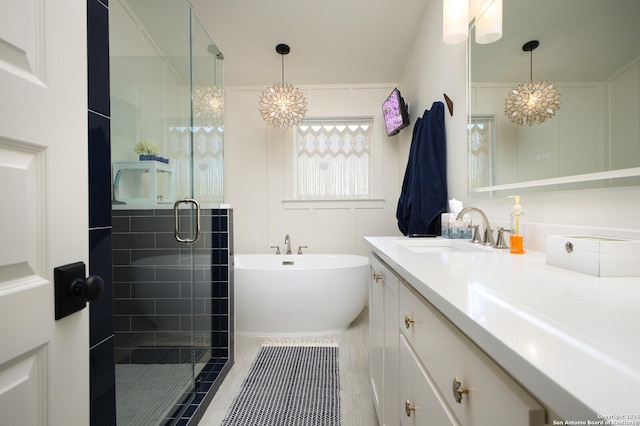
44	364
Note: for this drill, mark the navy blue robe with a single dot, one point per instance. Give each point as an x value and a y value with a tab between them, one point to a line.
424	188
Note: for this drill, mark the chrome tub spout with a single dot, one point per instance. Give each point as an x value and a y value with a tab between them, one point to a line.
287	241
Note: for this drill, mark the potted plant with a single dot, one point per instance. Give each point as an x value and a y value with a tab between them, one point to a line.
147	150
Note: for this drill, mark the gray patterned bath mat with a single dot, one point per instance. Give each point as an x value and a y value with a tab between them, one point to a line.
289	386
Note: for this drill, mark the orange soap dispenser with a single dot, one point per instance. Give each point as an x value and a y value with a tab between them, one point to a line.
517	227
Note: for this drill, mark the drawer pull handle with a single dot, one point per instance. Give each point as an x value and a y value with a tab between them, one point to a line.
458	390
408	408
408	321
378	276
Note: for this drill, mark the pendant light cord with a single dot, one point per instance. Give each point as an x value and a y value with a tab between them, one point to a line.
282	56
530	46
531	68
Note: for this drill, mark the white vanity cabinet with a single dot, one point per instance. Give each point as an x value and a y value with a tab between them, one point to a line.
529	343
383	308
424	371
471	388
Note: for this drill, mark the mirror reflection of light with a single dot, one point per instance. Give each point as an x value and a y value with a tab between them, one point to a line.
490	298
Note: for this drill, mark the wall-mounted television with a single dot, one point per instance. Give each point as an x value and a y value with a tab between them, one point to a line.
395	112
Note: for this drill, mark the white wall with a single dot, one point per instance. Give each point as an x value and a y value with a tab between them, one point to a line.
436	68
432	70
258	166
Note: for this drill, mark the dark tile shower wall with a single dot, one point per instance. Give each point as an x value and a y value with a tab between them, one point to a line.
153	296
102	369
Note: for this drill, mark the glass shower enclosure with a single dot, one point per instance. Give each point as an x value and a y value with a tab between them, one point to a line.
171	298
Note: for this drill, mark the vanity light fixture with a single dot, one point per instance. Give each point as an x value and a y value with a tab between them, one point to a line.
456	15
282	105
533	101
455	21
489	22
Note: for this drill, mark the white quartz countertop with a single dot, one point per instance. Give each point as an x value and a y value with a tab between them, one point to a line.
571	339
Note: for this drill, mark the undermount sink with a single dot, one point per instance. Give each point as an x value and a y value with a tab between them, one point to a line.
439	245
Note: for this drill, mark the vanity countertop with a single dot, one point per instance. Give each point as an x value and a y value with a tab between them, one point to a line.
571	339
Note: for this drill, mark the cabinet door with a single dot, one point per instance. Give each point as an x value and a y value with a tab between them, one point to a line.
376	329
391	349
419	395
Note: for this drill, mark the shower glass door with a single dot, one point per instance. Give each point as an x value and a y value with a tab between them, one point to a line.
167	155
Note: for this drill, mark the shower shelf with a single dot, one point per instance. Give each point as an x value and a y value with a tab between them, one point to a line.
125	190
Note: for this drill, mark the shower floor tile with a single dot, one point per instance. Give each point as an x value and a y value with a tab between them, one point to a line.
143	397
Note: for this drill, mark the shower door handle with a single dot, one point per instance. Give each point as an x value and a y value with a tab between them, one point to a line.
176	230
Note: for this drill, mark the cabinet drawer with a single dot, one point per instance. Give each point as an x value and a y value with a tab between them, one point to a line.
492	396
419	392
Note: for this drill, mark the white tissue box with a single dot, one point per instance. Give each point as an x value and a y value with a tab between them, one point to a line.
602	257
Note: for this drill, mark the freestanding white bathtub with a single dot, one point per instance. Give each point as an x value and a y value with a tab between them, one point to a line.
298	295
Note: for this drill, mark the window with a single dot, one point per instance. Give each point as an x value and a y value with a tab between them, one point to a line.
481	151
333	159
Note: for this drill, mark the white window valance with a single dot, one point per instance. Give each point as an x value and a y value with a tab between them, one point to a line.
333	158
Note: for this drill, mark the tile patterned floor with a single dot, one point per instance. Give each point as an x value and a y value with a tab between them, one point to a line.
357	403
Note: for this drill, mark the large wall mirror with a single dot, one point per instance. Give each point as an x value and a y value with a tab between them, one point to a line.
590	51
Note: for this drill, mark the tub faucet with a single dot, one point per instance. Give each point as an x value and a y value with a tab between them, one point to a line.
287	241
488	232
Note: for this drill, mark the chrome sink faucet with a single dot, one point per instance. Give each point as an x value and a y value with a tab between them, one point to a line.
488	232
287	241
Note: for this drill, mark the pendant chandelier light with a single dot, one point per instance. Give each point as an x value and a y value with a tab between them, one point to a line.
534	101
282	105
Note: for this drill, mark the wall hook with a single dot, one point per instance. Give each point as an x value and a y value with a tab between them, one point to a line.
449	104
